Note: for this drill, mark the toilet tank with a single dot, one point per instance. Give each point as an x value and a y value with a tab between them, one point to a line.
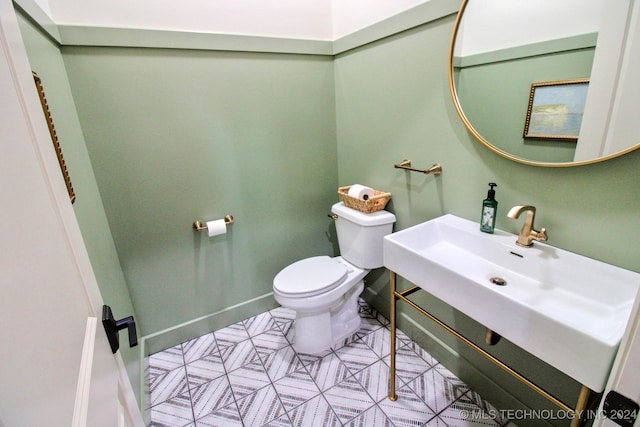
360	235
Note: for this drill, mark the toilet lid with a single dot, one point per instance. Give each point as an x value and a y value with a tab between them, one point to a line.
309	277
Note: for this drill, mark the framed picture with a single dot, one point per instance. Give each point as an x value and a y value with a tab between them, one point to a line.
54	137
555	109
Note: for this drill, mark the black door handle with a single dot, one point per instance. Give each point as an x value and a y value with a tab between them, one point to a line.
112	326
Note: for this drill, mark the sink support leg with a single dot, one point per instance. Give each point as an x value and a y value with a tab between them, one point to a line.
393	396
581	406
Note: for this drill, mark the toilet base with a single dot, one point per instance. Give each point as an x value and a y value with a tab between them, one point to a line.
318	332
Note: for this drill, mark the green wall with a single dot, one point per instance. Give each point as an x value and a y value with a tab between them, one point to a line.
46	60
176	136
403	110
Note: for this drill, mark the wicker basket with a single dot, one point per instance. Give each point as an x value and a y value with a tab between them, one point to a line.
373	204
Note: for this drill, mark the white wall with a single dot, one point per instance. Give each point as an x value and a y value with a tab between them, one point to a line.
352	15
298	19
304	19
490	25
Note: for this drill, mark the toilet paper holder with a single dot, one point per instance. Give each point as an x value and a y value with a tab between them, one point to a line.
201	226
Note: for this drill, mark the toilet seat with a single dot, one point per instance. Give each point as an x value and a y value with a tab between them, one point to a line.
310	277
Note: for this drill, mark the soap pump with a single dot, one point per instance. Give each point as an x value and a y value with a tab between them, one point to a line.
489	208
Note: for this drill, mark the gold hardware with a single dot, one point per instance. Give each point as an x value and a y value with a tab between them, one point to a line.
333	216
54	137
393	396
406	165
585	392
527	234
199	226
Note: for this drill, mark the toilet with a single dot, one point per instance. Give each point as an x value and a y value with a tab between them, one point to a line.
324	291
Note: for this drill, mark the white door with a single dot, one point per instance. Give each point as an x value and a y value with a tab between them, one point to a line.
56	366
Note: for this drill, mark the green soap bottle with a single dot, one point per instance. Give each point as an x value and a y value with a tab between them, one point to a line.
489	210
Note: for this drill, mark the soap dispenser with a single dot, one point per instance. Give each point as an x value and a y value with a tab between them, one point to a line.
489	208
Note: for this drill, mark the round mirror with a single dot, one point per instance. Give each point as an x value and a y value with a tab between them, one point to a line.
535	81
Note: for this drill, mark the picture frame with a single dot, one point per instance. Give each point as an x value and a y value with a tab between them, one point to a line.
54	137
555	110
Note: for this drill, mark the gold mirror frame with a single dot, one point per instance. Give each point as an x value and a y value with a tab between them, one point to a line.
489	145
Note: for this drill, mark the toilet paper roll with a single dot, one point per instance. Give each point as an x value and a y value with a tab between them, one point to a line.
217	227
360	192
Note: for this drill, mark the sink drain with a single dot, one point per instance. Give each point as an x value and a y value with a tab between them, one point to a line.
498	281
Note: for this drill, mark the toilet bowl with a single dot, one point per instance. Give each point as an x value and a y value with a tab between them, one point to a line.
326	303
324	291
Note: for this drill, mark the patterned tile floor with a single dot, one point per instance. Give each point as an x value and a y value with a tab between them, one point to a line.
249	375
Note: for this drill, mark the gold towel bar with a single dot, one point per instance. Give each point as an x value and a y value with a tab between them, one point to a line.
200	226
406	165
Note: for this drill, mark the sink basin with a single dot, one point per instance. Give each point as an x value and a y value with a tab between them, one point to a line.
568	310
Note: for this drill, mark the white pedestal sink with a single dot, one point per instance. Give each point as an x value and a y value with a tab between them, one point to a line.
568	310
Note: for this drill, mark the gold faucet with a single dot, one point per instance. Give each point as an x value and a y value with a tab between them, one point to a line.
528	234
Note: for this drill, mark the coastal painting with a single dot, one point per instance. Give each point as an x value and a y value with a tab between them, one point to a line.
555	109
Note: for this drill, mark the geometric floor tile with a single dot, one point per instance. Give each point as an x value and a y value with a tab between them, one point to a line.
227	416
435	390
248	379
173	412
248	374
371	417
211	396
165	361
281	363
199	347
204	370
357	355
409	365
261	407
408	410
348	399
269	342
235	356
296	388
231	335
314	413
375	380
260	323
167	386
328	371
